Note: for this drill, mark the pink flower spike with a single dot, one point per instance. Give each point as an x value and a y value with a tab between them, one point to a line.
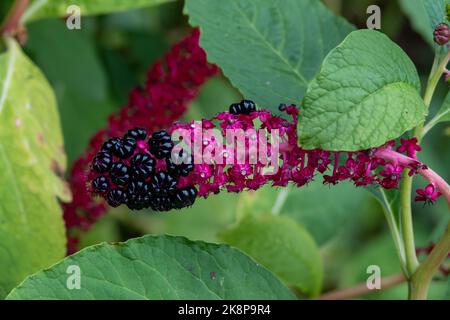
428	195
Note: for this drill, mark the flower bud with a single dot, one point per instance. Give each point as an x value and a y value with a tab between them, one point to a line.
442	34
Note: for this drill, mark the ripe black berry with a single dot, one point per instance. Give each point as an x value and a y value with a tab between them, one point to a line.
116	197
184	197
102	162
142	165
120	173
182	165
161	203
282	107
124	148
138	195
243	107
160	144
137	134
110	144
163	183
100	184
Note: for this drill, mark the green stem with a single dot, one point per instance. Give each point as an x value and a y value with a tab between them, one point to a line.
407	225
412	264
421	279
12	20
393	228
435	74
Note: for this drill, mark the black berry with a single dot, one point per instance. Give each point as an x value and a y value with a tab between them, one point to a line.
110	144
138	195
102	161
124	148
160	144
243	107
182	165
137	134
161	203
184	197
163	183
116	197
142	165
100	184
120	173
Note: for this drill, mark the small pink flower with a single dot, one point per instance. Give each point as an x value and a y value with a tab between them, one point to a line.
409	146
428	195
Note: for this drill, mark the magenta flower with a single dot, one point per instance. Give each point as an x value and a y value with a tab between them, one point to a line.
428	195
409	146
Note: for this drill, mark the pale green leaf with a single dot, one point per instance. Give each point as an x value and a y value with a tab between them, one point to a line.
270	50
32	158
157	267
367	92
39	9
281	245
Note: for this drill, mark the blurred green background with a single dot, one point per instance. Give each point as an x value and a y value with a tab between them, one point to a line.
92	71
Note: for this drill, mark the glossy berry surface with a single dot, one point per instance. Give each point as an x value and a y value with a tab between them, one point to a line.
138	195
137	134
116	197
243	107
142	165
163	183
102	162
184	197
124	148
182	165
120	173
161	144
100	184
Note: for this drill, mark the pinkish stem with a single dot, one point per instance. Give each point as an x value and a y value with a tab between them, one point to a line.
398	158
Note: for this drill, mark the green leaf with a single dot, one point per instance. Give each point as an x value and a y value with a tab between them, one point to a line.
281	245
39	9
366	93
156	267
32	234
442	115
270	50
425	15
81	86
325	212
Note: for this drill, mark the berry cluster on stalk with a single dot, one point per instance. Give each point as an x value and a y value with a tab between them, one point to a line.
172	82
382	166
141	173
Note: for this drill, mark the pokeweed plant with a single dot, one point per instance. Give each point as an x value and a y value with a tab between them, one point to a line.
345	105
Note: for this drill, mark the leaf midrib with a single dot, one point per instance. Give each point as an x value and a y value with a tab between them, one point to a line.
271	47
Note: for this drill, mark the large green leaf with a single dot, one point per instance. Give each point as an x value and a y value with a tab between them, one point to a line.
425	15
157	267
32	158
39	9
270	50
281	245
366	93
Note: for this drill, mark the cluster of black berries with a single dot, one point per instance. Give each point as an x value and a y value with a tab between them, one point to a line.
125	172
243	107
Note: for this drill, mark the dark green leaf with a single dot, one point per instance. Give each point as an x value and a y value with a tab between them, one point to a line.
270	50
152	268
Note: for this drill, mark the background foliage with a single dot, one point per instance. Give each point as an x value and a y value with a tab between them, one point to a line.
333	233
